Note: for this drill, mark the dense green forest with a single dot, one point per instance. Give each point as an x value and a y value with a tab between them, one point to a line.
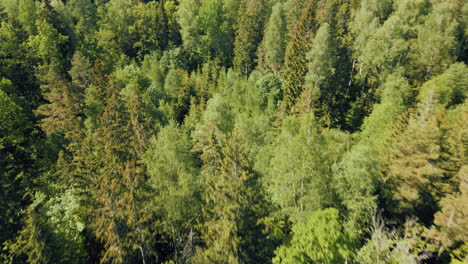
233	131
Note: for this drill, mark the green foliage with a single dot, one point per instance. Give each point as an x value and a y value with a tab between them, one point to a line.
368	18
233	207
188	19
436	46
217	39
409	245
12	118
274	40
114	33
30	241
16	162
299	178
321	60
295	58
209	131
321	239
150	27
417	176
84	14
51	231
48	45
321	77
27	15
174	180
451	220
447	89
64	102
414	174
17	63
387	46
248	35
356	175
460	255
205	30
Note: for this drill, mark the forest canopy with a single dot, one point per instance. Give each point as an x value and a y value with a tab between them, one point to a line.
233	131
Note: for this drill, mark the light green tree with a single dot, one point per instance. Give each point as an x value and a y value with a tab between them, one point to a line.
408	245
175	182
320	239
189	21
356	175
299	179
27	15
436	45
274	40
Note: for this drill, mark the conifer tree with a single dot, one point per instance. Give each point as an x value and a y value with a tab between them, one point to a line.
27	15
60	114
232	207
451	219
30	245
50	47
416	167
18	63
295	59
249	34
411	170
150	28
117	180
16	166
294	10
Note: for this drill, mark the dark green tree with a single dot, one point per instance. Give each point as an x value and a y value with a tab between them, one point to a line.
232	211
252	16
295	59
150	27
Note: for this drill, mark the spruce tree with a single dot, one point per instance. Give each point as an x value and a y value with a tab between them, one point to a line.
218	35
417	170
27	15
150	28
295	59
232	229
249	34
115	177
